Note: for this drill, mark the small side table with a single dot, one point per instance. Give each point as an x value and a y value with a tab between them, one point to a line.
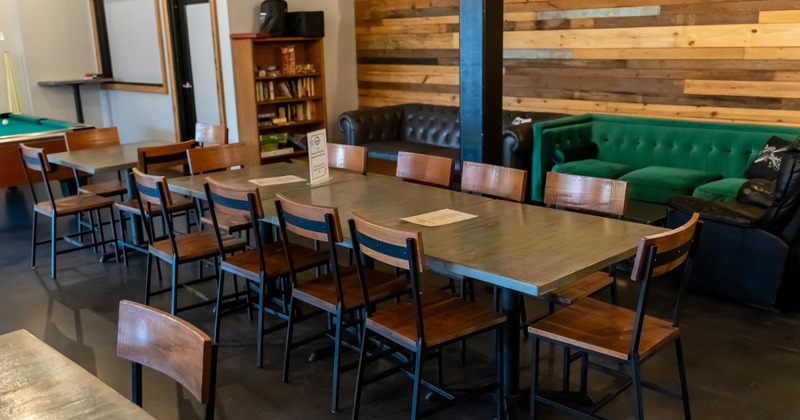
76	90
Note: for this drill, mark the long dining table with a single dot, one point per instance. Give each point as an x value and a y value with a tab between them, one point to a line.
521	249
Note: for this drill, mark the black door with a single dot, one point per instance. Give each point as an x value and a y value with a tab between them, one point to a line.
182	62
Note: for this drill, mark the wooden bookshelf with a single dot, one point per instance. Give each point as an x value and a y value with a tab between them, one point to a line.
298	97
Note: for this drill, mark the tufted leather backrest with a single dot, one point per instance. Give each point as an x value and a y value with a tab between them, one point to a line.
431	124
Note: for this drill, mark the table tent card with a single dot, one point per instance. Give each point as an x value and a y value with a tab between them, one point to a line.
318	156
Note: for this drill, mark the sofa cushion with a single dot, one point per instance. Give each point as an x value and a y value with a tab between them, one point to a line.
658	183
733	213
722	190
593	167
768	161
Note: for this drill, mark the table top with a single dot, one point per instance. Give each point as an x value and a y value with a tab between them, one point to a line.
530	249
103	159
37	381
193	185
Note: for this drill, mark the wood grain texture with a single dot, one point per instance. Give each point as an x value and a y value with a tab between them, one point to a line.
347	157
493	180
207	134
664	242
313	213
90	138
167	344
216	158
656	47
428	169
608	196
40	382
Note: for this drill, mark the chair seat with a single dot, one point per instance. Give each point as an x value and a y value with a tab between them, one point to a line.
195	246
246	263
580	288
228	223
131	206
105	189
73	204
604	328
447	318
321	291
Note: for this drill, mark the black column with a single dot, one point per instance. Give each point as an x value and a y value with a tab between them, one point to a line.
481	71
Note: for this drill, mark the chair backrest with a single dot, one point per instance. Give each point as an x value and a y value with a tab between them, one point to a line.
427	169
493	180
217	158
35	159
397	248
170	345
586	193
92	137
207	134
158	157
348	157
658	255
236	203
147	189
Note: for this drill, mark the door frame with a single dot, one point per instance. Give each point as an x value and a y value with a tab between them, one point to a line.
174	44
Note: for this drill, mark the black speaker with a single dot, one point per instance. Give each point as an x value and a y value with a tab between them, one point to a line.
305	24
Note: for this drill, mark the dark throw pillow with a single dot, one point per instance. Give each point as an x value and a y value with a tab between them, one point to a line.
768	161
757	191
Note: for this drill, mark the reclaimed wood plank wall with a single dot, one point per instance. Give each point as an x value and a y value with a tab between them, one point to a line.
695	59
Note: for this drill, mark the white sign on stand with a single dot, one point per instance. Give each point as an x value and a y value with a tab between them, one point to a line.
318	156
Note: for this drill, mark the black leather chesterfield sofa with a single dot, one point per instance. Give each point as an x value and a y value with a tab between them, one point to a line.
433	130
746	252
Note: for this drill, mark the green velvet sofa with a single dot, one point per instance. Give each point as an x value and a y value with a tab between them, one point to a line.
658	158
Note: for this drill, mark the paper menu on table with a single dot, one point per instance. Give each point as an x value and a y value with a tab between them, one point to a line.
318	156
276	180
438	218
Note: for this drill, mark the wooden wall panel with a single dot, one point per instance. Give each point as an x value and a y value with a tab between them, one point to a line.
696	59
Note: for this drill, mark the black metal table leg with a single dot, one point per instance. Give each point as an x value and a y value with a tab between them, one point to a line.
509	306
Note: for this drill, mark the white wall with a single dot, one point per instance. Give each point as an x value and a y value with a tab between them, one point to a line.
58	44
341	88
9	25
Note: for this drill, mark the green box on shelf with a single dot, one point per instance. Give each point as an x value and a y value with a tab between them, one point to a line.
272	141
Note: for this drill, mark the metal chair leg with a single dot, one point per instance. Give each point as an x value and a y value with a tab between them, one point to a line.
174	294
636	385
218	309
687	414
362	361
148	278
53	236
33	239
337	362
287	352
260	337
415	402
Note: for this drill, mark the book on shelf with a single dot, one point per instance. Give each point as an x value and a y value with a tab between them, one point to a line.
277	152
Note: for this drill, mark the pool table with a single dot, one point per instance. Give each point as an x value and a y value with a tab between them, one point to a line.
35	132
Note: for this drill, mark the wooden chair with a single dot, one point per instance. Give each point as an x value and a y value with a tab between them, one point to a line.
347	157
217	158
423	324
425	169
36	160
265	267
91	138
207	134
147	336
621	335
585	193
336	293
596	195
176	249
205	160
160	160
493	180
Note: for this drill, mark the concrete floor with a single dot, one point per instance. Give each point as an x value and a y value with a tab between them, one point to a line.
742	363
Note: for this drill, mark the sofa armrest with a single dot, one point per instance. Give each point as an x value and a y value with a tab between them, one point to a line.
517	146
549	135
362	126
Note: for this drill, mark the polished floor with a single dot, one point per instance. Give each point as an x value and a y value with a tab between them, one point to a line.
742	363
